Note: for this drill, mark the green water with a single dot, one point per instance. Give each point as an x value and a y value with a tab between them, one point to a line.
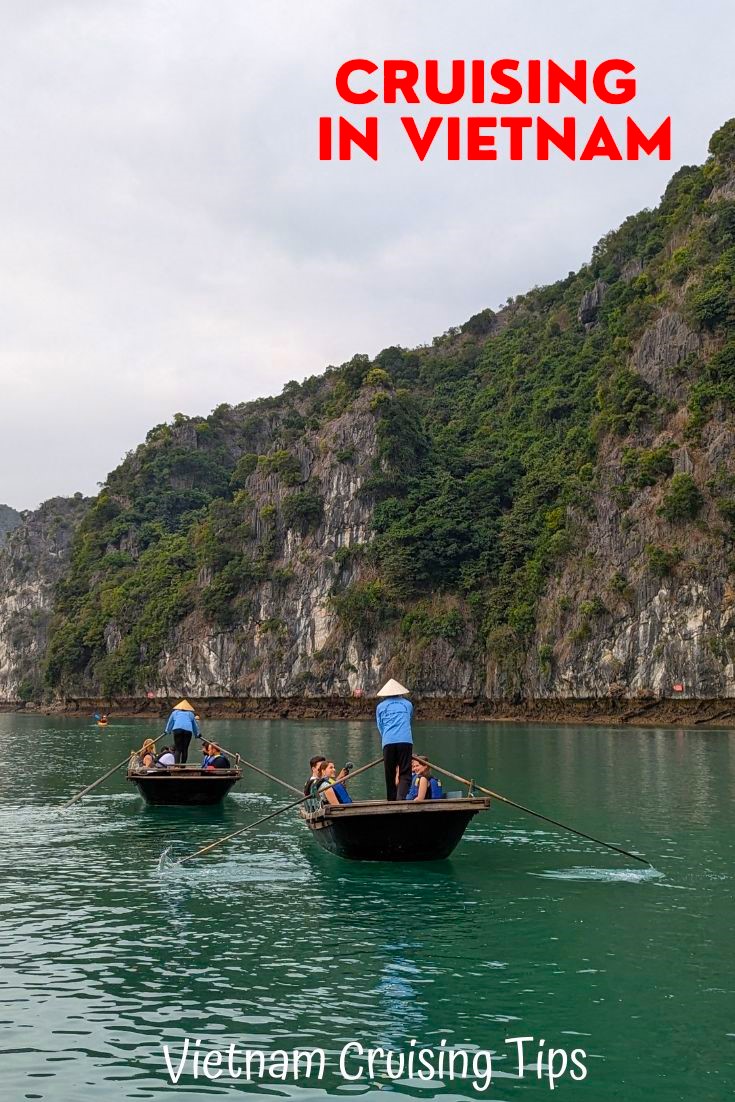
108	952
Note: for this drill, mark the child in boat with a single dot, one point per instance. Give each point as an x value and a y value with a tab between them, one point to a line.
423	785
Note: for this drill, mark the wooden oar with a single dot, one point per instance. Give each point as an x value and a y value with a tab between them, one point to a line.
265	818
538	815
104	777
255	768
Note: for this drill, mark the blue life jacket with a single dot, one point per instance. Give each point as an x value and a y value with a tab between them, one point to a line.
433	792
435	789
414	789
341	793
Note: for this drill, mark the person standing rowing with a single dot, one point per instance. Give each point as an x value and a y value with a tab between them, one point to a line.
182	725
393	717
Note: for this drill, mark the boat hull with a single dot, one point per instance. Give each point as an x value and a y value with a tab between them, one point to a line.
184	787
377	830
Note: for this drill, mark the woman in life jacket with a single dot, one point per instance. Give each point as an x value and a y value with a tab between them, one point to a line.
423	785
147	755
329	791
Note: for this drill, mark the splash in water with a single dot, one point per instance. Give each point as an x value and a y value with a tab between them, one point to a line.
606	876
169	859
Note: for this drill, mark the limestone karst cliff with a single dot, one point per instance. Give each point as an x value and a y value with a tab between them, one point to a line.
539	504
34	557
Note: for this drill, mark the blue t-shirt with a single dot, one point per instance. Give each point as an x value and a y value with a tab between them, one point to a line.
182	721
393	716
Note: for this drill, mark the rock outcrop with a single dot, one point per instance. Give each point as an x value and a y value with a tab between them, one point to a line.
590	305
34	558
288	641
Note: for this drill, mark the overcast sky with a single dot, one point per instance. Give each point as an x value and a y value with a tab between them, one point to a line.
171	241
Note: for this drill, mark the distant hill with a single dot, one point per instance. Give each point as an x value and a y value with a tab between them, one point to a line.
9	519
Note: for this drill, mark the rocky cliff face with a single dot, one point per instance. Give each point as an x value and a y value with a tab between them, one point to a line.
33	559
642	605
646	603
288	642
293	641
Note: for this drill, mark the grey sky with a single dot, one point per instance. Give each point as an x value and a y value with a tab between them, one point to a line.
170	240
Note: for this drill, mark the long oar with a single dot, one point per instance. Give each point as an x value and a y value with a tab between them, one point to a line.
104	777
265	818
538	815
255	768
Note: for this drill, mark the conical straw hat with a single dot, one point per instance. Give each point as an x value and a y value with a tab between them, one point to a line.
183	706
393	688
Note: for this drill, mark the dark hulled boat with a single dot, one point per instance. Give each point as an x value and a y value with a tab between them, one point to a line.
382	830
187	785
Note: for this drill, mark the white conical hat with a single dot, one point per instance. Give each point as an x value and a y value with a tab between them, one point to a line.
393	688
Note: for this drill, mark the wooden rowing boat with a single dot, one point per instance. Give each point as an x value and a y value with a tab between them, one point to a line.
186	785
382	830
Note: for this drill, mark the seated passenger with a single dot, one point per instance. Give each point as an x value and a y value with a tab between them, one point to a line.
423	785
328	791
166	757
209	753
333	775
218	760
314	763
147	755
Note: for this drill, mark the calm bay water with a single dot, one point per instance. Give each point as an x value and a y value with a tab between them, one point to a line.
108	951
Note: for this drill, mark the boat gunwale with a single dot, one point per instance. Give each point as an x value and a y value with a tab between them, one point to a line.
367	808
183	772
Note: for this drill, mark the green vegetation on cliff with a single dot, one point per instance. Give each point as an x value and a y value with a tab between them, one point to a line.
487	458
9	519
